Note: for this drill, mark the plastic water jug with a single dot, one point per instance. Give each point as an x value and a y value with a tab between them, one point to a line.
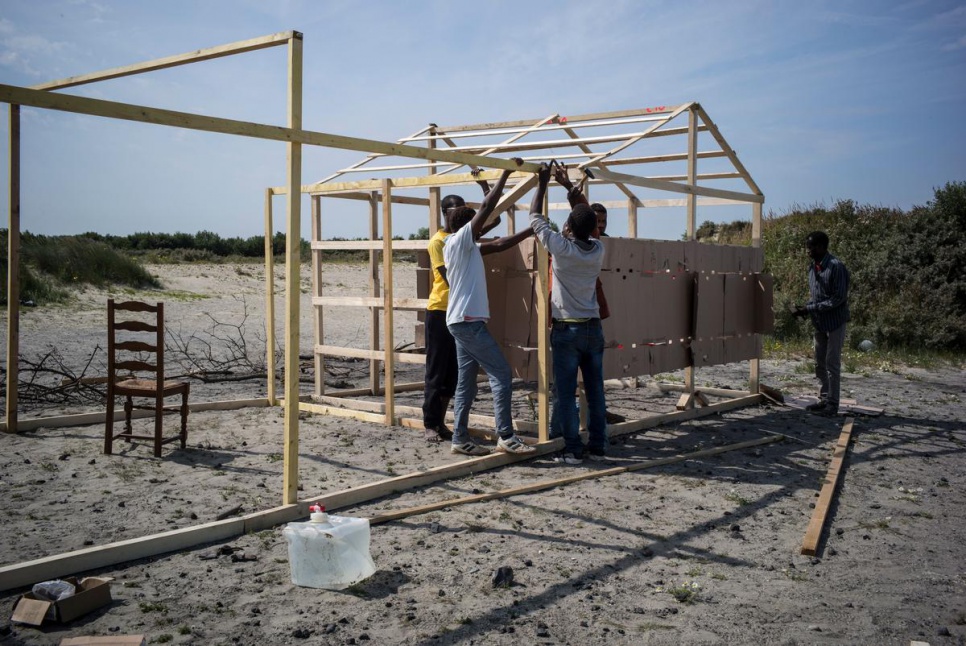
330	552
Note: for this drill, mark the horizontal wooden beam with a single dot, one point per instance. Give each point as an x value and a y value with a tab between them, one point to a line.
423	181
358	353
673	187
396	199
715	392
272	40
657	110
19	575
361	392
335	411
362	245
158	116
654	159
85	419
703	176
405	304
634	426
536	127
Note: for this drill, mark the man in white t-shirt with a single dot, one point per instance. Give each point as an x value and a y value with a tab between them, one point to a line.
466	317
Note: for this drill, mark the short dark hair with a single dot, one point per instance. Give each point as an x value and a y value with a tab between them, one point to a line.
451	202
817	239
461	216
583	221
598	208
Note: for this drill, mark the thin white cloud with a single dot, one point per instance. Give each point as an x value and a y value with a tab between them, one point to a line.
954	46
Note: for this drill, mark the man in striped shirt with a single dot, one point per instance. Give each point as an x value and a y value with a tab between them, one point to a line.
828	307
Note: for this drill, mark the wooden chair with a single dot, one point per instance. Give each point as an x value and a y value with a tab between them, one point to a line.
135	345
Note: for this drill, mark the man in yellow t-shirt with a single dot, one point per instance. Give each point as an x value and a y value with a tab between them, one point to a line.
441	367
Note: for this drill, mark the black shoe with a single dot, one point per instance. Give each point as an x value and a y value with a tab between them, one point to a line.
825	410
830	410
820	404
613	418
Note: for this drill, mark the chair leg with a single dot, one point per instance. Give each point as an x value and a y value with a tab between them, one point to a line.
109	425
128	408
184	418
158	417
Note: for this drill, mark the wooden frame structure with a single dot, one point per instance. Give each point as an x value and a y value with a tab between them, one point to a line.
593	145
385	192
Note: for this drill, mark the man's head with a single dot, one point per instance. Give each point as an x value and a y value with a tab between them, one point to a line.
447	206
601	212
459	217
816	244
582	222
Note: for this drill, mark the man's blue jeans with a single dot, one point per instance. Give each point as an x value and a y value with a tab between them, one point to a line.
579	346
475	347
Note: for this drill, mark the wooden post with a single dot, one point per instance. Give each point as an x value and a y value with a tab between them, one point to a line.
631	218
374	290
434	221
13	272
687	400
293	243
387	309
434	193
269	298
511	220
317	310
754	366
543	340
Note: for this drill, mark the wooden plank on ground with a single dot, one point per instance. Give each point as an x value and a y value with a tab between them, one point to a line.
814	532
558	482
85	419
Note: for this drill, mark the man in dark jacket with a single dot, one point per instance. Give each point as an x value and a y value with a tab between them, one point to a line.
828	307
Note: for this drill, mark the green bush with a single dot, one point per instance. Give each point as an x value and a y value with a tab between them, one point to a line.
51	264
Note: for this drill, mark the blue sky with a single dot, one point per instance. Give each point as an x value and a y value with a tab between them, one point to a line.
822	100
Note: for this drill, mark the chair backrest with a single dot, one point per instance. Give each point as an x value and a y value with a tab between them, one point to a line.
135	338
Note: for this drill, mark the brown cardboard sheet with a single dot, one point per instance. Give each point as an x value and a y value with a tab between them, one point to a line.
708	257
739	304
710	294
623	254
707	352
670	313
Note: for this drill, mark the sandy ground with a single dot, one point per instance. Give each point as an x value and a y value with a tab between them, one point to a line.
596	562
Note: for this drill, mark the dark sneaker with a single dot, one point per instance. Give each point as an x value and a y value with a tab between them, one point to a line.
614	418
830	410
820	404
444	433
825	410
470	448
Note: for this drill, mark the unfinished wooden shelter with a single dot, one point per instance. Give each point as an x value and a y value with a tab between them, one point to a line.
716	299
675	304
